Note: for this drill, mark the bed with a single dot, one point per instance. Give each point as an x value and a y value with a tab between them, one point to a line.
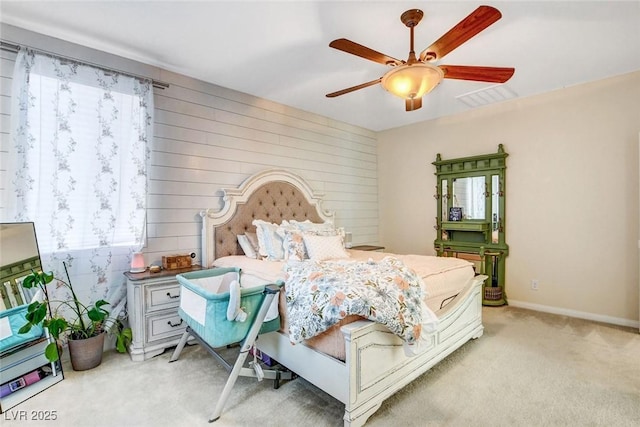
359	362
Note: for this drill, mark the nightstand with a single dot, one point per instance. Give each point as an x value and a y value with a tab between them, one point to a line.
152	300
368	248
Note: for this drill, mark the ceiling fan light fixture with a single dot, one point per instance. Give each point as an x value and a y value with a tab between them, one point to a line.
411	81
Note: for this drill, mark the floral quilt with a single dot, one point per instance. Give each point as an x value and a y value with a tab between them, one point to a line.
321	293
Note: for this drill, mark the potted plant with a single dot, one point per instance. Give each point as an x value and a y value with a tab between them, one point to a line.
85	328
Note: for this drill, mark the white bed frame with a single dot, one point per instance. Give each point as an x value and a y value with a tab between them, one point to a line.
376	366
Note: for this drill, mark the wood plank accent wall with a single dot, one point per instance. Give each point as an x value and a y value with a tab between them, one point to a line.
207	137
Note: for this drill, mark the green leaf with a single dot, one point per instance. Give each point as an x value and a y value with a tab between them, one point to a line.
57	326
51	352
33	307
46	277
123	339
40	313
36	312
38	278
100	303
29	281
26	328
96	314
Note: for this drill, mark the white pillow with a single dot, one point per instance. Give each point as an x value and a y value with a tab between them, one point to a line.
253	239
320	229
246	246
269	242
321	248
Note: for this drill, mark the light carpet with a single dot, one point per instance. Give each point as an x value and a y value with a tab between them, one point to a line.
528	369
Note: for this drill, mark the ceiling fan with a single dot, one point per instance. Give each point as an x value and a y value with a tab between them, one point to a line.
415	77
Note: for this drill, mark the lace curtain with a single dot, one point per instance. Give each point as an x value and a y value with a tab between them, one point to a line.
78	169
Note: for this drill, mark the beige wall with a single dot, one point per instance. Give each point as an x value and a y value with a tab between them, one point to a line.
572	192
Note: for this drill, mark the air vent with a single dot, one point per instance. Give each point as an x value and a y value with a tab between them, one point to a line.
495	93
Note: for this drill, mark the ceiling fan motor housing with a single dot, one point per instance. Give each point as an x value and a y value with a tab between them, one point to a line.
412	17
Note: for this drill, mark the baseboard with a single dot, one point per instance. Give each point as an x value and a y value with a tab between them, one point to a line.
574	313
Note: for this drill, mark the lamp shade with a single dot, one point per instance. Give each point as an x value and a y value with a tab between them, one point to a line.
348	240
137	263
411	81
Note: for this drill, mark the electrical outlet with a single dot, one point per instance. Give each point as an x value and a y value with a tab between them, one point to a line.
534	284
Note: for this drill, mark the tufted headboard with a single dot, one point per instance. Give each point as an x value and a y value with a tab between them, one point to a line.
273	195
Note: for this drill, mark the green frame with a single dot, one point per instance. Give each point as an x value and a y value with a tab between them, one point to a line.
475	236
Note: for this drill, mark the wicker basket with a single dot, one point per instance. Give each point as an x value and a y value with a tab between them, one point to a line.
493	293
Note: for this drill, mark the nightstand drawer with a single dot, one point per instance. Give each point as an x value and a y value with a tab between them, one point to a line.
161	297
165	326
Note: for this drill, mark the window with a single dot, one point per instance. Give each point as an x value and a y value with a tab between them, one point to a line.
79	161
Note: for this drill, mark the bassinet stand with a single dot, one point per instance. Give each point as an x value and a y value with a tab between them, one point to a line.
238	369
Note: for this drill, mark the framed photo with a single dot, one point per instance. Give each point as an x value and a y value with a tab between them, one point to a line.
455	214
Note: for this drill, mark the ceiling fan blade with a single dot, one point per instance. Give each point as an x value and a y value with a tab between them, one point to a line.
413	103
351	89
479	74
363	52
478	20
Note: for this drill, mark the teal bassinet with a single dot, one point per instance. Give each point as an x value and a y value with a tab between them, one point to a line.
204	298
204	302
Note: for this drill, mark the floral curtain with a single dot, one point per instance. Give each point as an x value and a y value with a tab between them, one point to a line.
78	169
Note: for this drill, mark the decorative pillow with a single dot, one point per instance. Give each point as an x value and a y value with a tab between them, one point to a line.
253	239
321	248
318	229
246	246
269	242
293	245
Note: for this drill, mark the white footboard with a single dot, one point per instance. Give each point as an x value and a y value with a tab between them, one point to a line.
376	365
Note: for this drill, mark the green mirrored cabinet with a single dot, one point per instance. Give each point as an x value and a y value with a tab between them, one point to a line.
471	216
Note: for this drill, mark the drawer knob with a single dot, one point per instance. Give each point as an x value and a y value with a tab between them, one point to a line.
174	325
172	296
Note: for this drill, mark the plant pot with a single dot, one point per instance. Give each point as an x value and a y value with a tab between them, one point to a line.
86	353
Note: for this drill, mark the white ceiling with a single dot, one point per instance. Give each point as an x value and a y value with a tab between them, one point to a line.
278	50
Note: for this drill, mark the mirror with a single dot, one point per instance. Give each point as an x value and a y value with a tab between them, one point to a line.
445	195
19	251
444	190
469	194
471	216
495	208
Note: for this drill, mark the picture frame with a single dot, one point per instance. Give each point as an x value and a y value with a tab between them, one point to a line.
455	213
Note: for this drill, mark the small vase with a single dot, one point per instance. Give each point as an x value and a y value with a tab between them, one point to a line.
86	353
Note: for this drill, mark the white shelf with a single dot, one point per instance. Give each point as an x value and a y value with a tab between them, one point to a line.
30	362
23	394
22	361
